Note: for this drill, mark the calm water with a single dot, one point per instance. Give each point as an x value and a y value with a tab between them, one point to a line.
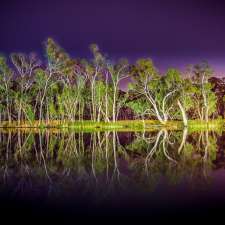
112	172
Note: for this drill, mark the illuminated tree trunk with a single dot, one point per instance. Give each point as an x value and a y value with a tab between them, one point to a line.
184	116
43	97
156	110
7	101
106	100
114	103
206	107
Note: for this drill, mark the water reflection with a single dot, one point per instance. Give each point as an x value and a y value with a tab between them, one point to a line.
54	163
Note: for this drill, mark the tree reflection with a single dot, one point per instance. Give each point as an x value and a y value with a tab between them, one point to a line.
101	162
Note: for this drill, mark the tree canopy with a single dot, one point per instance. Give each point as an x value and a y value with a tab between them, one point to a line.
64	88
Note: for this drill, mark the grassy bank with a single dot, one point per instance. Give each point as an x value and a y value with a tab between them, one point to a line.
122	125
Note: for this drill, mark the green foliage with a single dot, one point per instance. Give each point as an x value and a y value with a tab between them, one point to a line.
58	58
72	89
40	78
140	107
204	98
30	113
144	69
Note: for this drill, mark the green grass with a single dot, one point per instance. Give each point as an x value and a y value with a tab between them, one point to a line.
195	125
122	125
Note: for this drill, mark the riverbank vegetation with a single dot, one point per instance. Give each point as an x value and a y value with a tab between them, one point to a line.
66	91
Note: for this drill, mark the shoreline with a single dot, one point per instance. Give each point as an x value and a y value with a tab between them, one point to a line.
120	125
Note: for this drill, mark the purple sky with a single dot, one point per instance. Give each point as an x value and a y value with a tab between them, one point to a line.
173	33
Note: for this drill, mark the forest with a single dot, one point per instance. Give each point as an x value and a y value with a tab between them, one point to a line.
62	88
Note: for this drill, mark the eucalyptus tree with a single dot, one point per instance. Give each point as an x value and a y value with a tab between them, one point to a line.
60	69
144	72
95	72
6	82
204	97
63	83
182	95
25	69
158	90
81	95
118	72
104	78
171	85
100	93
40	88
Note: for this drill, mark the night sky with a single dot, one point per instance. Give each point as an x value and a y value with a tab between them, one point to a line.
172	33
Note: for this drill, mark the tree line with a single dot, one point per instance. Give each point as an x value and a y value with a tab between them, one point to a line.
64	88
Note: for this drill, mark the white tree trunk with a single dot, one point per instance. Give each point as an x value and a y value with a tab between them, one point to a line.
184	116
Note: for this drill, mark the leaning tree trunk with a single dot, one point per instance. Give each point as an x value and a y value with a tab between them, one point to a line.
184	116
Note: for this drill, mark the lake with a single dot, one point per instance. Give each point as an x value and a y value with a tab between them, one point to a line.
107	173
